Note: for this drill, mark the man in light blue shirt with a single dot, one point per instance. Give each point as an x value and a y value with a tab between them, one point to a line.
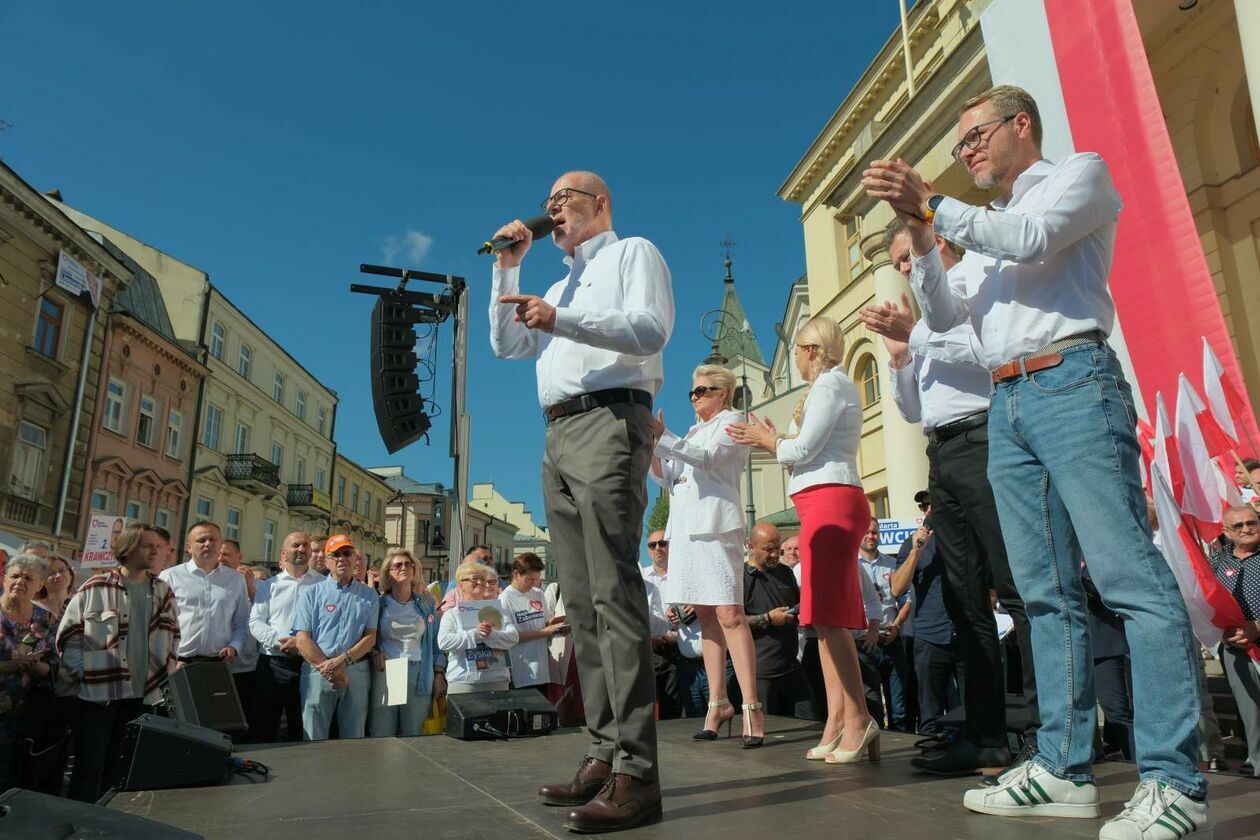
335	625
278	677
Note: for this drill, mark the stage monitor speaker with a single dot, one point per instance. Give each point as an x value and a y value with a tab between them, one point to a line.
161	753
487	715
36	816
204	694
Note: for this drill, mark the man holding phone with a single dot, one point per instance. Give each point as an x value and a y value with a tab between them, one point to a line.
771	601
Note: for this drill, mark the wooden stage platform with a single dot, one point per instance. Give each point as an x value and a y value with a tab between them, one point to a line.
437	787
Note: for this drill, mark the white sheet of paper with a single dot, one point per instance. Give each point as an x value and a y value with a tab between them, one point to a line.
1005	624
395	681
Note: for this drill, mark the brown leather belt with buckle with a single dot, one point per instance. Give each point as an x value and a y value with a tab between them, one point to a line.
597	399
1047	357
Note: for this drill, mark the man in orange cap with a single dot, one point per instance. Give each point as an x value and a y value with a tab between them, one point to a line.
335	623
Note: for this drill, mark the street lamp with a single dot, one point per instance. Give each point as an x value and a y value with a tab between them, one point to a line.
711	326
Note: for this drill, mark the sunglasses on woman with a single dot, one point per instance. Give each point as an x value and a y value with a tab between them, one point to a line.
700	390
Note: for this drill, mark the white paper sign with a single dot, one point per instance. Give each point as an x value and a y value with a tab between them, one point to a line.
74	277
396	681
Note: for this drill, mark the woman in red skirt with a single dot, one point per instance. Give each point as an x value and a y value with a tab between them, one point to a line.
820	452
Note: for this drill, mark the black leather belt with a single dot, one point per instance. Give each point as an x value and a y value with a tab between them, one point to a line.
597	399
940	434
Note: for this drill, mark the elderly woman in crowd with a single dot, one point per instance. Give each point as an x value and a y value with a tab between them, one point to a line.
58	583
476	647
407	630
27	656
820	453
705	530
118	637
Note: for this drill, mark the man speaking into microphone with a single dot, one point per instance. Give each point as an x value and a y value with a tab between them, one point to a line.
597	336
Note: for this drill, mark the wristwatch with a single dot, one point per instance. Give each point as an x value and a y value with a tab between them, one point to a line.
933	202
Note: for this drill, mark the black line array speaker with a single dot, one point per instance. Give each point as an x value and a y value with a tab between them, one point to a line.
161	753
204	693
28	815
486	715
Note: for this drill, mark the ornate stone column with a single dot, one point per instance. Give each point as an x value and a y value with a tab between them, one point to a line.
905	460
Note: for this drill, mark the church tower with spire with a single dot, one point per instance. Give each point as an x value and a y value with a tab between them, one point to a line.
734	343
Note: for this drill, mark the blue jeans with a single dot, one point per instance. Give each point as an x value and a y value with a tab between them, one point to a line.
1063	462
320	701
405	720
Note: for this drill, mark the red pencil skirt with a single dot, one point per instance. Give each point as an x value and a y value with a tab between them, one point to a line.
833	519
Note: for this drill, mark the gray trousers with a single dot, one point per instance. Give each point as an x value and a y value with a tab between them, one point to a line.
594	472
1244	682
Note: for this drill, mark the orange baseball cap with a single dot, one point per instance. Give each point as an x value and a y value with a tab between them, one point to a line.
337	542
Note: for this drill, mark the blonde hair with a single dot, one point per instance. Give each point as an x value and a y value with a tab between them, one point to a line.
824	335
721	377
387	577
470	569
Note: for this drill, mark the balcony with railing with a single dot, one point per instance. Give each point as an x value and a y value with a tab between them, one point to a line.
252	472
305	498
22	511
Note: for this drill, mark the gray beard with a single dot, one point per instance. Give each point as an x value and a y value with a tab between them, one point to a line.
985	182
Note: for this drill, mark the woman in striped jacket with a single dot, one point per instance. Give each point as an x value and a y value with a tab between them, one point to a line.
117	638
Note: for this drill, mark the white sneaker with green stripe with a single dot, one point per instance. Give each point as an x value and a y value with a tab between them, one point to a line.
1158	812
1029	790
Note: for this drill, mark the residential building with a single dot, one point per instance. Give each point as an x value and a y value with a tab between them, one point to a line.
140	447
263	429
1198	57
415	520
358	508
529	536
56	284
497	534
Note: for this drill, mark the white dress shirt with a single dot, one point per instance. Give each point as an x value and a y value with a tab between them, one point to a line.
824	450
614	315
213	608
1036	267
945	381
271	617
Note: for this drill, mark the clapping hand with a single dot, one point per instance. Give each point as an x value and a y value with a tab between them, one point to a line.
893	323
658	424
757	433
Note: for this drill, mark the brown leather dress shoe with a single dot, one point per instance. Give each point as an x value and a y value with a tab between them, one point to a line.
591	775
623	802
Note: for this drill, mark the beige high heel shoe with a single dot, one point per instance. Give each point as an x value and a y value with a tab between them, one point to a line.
711	734
819	752
869	745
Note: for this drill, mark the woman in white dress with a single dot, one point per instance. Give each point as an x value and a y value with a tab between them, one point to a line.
705	531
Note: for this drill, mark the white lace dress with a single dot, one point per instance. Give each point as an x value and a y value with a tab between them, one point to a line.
705	529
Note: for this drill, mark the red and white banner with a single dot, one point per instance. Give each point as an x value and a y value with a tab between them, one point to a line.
1085	64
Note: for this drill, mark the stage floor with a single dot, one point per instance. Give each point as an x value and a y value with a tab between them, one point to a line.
378	789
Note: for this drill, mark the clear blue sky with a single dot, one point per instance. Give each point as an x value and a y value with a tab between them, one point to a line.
278	145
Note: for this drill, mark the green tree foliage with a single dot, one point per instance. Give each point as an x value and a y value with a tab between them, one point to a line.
660	513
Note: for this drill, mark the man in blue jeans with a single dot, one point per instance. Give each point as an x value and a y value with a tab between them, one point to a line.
335	624
1063	457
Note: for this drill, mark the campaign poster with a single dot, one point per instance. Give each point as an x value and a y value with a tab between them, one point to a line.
98	551
893	532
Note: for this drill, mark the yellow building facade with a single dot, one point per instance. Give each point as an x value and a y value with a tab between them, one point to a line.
1198	58
263	452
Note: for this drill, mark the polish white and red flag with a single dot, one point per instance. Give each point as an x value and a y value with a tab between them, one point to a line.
1211	607
1086	65
1208	493
1228	409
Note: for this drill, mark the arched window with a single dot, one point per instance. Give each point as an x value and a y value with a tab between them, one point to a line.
868	380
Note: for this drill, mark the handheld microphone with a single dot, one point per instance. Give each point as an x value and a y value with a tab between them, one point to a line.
540	226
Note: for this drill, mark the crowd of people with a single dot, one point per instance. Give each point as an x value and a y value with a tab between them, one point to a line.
308	648
1035	571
